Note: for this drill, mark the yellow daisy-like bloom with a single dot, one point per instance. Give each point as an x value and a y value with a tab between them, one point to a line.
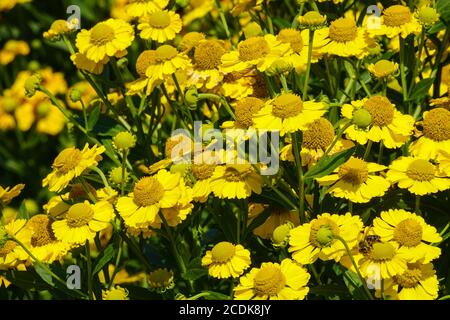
387	125
197	9
83	63
244	110
273	281
418	175
7	194
226	260
314	240
178	213
345	39
277	218
42	242
435	134
167	62
109	38
384	260
11	254
71	163
443	159
160	26
288	113
235	181
82	222
142	8
383	69
12	49
418	282
238	85
116	293
299	42
259	52
150	194
144	60
397	20
409	231
161	280
202	174
356	181
205	70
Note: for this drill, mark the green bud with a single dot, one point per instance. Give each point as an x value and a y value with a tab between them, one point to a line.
75	95
115	175
124	140
362	118
43	108
191	97
252	30
32	84
324	235
122	63
34	65
428	16
281	234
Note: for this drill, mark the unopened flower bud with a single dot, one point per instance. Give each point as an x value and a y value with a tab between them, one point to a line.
252	30
32	84
312	20
362	118
124	140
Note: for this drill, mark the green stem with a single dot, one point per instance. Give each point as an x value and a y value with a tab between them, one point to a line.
417	205
350	206
223	20
352	259
215	97
301	183
402	70
284	83
380	152
124	165
308	65
83	106
368	148
116	265
336	138
102	176
89	269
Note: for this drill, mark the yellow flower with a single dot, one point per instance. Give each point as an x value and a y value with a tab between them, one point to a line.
299	42
288	113
116	293
7	194
418	282
409	231
314	240
259	51
436	134
202	173
356	181
83	63
345	39
150	194
178	213
238	85
167	61
443	159
197	9
383	69
42	241
205	70
71	163
273	281
387	123
11	253
142	8
276	218
82	222
235	181
384	260
418	175
160	26
12	49
226	260
109	38
161	280
397	20
244	111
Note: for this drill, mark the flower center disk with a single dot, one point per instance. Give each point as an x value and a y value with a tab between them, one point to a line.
203	171
410	278
79	215
322	231
287	105
382	251
320	134
408	233
381	110
269	281
236	172
207	54
223	252
436	124
420	170
343	30
159	19
148	191
67	160
245	109
101	34
166	52
293	37
145	59
354	171
253	48
396	15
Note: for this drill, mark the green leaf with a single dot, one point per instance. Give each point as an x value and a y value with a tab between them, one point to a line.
93	117
437	27
104	257
194	274
47	277
216	296
421	89
443	8
26	280
327	164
